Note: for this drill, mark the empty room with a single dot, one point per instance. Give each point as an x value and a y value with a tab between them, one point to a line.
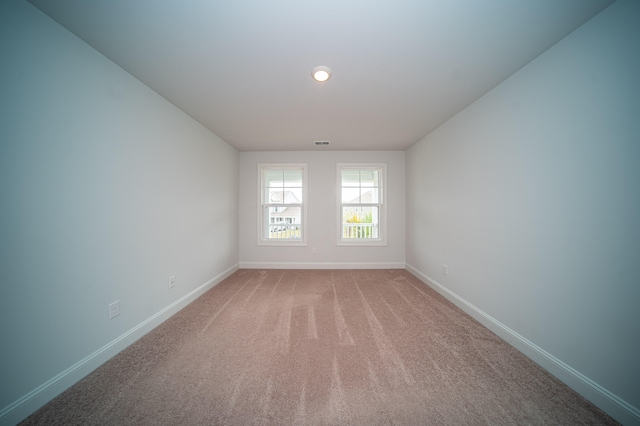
342	213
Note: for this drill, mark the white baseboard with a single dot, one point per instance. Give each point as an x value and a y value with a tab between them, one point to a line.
610	403
322	265
29	403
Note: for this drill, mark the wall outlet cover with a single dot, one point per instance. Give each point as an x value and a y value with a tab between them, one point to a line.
114	309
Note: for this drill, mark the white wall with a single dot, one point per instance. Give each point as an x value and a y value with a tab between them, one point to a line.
322	213
106	190
531	197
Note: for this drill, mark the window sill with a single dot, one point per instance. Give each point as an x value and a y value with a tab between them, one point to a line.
282	243
361	243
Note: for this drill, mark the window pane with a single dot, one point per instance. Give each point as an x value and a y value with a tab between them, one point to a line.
351	178
350	195
272	178
274	195
283	223
369	195
293	196
360	222
369	178
282	196
293	178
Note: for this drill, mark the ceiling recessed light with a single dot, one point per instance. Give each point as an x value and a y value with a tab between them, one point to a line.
321	73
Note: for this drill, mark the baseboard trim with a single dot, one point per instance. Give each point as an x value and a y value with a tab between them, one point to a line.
32	401
610	403
322	265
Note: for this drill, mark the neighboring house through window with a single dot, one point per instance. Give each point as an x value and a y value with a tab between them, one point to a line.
281	204
361	206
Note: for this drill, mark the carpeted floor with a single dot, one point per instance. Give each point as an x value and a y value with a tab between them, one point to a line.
327	347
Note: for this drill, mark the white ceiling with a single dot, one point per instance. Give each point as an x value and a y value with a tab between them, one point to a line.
243	68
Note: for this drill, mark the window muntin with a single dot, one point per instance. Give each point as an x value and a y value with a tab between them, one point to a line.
281	206
361	216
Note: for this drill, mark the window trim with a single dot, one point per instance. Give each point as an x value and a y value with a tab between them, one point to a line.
382	169
261	240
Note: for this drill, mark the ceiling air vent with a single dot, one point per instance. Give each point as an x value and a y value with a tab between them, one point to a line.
321	143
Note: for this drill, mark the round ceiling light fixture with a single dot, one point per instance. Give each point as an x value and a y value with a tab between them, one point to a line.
321	73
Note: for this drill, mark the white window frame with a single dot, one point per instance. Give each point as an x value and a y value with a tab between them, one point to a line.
382	205
263	205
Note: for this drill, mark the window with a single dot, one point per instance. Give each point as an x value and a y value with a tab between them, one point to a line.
362	211
281	204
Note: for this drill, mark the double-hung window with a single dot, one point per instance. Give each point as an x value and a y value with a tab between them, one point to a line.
361	206
281	204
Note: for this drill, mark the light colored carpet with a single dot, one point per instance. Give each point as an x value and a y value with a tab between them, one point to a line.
328	347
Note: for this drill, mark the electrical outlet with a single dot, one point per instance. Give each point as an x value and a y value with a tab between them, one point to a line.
172	281
445	269
114	309
313	250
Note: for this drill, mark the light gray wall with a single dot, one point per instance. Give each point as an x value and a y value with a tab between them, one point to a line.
106	190
322	212
531	196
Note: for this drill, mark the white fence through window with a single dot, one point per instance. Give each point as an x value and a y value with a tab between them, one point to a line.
358	230
284	230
